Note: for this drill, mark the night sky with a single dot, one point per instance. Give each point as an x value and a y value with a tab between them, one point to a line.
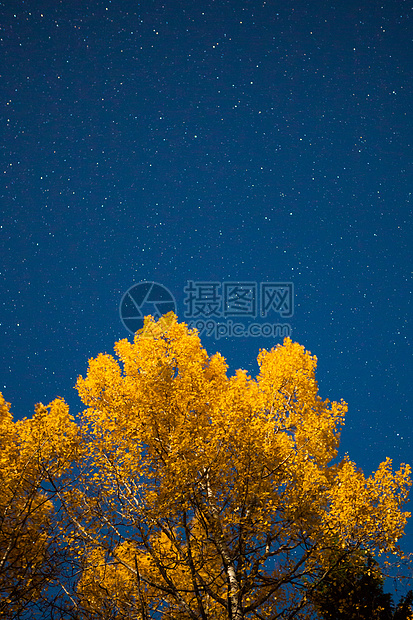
220	141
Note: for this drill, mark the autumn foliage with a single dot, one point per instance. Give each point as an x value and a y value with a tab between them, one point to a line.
182	493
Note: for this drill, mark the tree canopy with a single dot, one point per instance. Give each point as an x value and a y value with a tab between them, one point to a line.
182	493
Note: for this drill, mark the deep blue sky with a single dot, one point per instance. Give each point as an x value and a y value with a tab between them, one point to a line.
217	141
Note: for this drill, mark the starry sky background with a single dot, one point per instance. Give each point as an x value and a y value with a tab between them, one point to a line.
245	140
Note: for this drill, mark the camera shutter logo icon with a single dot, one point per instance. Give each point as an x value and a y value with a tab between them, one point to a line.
142	299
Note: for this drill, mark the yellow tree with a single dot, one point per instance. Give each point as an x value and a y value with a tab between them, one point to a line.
202	496
31	452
